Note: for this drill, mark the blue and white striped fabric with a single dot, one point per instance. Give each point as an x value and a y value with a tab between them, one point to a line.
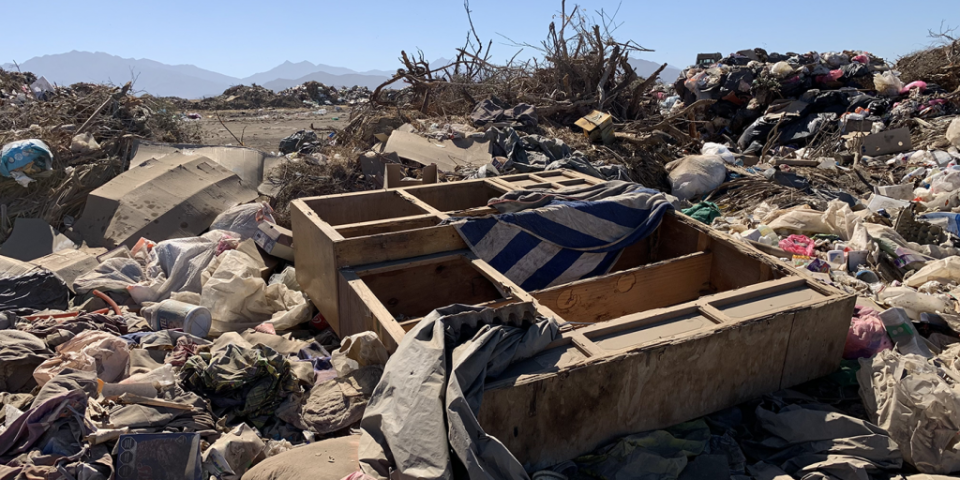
565	240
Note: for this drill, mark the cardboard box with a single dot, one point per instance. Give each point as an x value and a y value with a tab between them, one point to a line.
597	126
275	240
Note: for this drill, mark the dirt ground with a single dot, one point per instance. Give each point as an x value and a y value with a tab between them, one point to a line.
263	129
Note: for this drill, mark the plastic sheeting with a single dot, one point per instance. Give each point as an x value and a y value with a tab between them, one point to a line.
244	220
424	409
238	298
918	402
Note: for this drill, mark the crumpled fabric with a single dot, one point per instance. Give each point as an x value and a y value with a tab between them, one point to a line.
918	402
799	245
238	298
58	331
245	383
336	404
37	289
175	266
425	407
815	439
359	350
34	424
492	110
152	419
98	351
703	212
655	455
20	354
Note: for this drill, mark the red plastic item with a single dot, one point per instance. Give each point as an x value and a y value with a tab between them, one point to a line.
798	244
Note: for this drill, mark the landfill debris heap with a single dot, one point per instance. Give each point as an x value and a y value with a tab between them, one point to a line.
198	353
309	94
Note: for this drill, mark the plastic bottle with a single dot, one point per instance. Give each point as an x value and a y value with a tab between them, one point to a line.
768	236
903	334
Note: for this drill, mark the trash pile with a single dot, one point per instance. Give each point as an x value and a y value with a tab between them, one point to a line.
321	94
61	143
312	93
151	318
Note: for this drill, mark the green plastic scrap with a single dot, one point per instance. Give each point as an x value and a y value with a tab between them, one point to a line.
705	212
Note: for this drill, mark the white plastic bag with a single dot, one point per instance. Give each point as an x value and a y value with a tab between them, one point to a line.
946	270
912	302
695	175
887	84
781	69
722	151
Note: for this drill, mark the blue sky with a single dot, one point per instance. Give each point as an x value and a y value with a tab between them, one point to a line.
242	37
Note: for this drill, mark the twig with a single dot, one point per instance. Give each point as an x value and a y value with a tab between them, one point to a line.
228	130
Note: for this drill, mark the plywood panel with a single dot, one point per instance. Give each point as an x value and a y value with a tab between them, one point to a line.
417	290
550	418
816	341
314	247
631	291
451	197
390	246
362	312
362	207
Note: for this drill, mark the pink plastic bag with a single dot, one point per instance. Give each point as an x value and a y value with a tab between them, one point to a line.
919	84
798	244
866	336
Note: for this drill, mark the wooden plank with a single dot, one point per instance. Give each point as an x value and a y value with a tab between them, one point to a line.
454	197
394	265
817	338
419	203
362	311
348	208
636	290
314	247
398	245
374	227
556	416
417	290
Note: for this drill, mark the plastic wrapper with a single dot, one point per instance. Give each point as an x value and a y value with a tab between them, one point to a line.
912	302
27	156
244	220
90	350
946	270
798	244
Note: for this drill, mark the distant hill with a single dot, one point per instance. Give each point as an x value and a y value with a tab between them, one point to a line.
153	77
645	68
192	82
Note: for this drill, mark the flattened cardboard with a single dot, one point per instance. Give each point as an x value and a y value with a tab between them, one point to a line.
447	154
175	196
68	264
890	141
249	164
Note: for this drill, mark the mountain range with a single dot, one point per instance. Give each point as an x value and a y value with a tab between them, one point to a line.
188	81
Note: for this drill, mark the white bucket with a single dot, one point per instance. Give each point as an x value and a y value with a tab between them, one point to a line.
193	319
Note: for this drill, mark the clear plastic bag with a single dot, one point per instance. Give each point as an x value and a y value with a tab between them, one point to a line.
244	220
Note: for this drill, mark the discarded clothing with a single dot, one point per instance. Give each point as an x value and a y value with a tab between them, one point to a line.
58	331
33	425
660	454
91	350
425	407
565	240
242	382
336	404
20	354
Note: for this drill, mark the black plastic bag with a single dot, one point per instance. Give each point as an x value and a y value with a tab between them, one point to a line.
295	142
38	289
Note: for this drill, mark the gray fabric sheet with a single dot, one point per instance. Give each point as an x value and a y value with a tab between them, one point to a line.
426	403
